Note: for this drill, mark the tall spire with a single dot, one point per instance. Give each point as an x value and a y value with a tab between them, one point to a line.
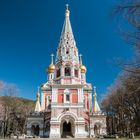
67	49
67	25
37	105
96	108
95	96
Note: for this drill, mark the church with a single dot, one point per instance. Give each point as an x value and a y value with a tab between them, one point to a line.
64	105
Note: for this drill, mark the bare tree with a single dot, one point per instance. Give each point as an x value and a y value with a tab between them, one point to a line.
122	105
130	11
14	111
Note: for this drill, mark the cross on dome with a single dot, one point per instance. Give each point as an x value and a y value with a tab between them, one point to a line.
80	58
52	55
67	7
67	11
94	89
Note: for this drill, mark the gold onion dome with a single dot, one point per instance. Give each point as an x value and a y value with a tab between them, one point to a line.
51	68
83	68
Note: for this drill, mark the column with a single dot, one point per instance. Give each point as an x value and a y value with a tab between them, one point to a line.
62	74
54	95
80	95
72	75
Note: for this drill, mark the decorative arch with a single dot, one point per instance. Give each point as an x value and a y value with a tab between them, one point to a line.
35	127
98	123
67	91
68	63
70	114
67	120
35	123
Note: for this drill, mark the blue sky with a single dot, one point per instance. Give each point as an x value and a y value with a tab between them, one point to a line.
30	32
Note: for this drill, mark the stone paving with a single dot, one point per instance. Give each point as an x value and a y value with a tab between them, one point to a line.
60	139
71	139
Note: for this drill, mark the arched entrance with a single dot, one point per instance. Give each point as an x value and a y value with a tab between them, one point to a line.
67	130
35	130
97	128
67	122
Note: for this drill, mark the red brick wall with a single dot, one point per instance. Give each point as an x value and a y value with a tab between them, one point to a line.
74	98
60	98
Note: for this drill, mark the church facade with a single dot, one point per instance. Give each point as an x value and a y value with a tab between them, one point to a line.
66	108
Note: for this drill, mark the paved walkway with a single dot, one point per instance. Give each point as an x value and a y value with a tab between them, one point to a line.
71	139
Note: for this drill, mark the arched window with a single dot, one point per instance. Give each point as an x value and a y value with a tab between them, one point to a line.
58	73
67	96
67	71
67	51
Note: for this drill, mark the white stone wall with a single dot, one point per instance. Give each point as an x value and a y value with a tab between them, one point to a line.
35	121
98	120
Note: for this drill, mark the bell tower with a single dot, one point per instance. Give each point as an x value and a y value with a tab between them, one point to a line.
68	69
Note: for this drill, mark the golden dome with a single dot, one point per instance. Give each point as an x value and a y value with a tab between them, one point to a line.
83	68
51	68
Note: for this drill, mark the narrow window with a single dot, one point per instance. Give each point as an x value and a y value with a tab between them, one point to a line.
58	73
51	76
67	51
76	73
67	97
67	71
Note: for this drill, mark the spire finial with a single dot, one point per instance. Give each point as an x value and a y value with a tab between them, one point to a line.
52	55
37	105
94	89
67	7
94	94
67	11
80	58
96	108
38	94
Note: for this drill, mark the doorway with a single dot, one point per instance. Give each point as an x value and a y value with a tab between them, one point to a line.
97	130
35	130
67	130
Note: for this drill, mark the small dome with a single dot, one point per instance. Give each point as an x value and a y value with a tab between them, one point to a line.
51	68
83	69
